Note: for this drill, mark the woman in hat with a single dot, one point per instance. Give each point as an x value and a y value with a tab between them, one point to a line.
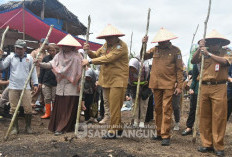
67	68
113	77
213	102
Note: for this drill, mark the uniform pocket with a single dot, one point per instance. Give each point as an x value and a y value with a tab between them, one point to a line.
207	63
169	59
156	55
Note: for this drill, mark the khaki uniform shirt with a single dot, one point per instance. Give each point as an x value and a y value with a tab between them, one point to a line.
40	58
114	65
167	67
213	71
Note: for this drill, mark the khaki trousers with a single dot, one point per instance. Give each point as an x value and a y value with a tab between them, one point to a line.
115	95
35	96
49	93
106	103
163	111
141	110
213	115
14	96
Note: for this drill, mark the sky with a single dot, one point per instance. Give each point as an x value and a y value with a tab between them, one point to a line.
180	17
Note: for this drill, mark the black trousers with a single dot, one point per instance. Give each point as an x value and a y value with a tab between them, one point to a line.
88	103
149	115
192	112
229	102
176	107
102	110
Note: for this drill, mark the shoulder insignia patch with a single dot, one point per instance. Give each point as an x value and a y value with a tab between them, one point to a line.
179	57
178	52
118	46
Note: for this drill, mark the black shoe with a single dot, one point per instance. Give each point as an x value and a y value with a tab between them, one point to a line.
205	149
165	142
57	133
109	136
120	132
220	153
81	128
157	138
99	118
185	132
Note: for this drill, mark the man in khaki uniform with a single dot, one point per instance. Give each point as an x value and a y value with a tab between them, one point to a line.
40	58
213	102
114	73
167	70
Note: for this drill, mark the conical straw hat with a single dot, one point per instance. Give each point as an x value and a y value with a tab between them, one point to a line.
163	35
214	36
110	30
69	40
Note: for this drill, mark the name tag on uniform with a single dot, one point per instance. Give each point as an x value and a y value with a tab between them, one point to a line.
217	67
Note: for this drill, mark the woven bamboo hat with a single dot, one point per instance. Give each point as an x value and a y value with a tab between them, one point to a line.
163	35
69	40
215	37
108	31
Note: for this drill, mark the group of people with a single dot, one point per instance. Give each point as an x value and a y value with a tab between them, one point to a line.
118	79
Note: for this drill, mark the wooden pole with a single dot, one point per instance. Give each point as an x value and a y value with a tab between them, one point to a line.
182	94
25	85
141	66
3	38
23	20
200	80
194	34
2	44
43	10
131	43
82	81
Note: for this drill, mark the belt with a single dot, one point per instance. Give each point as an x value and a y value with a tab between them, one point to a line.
229	84
213	82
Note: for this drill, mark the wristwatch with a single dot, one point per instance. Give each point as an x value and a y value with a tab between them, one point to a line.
90	61
210	54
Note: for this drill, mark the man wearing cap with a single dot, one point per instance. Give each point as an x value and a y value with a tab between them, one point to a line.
167	70
40	58
113	77
213	102
20	65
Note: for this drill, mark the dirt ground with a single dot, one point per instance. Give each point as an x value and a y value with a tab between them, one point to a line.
43	143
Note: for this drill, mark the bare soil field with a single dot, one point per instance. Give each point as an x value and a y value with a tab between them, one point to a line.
43	143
